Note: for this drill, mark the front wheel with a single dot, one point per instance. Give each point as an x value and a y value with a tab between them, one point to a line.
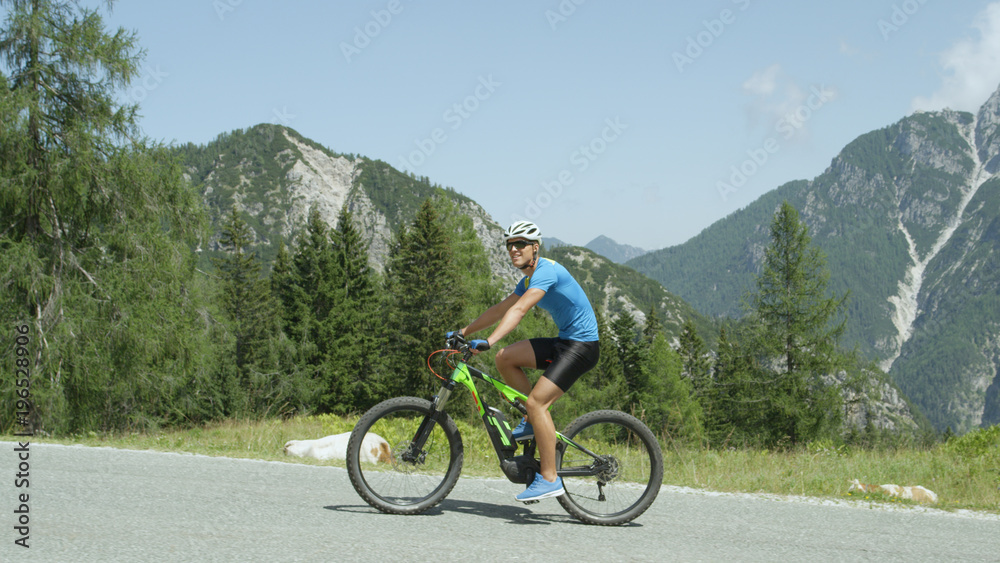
389	470
626	475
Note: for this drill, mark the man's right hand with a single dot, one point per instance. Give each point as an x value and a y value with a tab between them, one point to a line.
480	345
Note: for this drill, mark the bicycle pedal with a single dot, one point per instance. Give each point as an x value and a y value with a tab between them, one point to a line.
531	501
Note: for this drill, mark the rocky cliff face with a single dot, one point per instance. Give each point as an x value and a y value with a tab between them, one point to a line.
277	178
879	404
316	180
987	133
491	235
935	187
909	219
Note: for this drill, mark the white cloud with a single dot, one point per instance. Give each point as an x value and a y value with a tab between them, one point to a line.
972	67
763	82
779	102
848	49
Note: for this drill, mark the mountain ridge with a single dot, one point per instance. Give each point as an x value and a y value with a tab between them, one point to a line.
905	215
616	252
278	196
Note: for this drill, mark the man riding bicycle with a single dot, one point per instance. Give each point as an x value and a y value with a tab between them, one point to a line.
564	359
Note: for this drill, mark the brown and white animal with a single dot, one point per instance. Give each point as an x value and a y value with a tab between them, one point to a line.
921	494
916	492
374	448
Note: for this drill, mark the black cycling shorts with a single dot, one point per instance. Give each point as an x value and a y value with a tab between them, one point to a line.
564	361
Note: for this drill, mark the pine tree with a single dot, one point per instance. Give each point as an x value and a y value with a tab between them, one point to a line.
733	405
696	365
800	324
479	284
770	385
668	401
246	297
631	355
315	291
791	299
262	369
97	232
284	286
653	326
355	325
427	298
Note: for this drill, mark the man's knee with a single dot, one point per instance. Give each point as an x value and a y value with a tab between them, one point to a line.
541	400
533	404
500	359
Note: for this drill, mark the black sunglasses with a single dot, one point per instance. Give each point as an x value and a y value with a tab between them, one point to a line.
518	244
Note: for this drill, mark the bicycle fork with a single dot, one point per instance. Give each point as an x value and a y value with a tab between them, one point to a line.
415	452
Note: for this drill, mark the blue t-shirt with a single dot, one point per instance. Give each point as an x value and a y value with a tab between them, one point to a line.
564	299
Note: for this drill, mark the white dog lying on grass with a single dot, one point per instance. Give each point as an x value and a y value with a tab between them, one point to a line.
374	448
915	492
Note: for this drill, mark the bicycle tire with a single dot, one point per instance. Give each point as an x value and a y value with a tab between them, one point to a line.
392	484
623	493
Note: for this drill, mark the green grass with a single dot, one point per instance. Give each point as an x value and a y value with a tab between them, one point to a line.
959	483
965	472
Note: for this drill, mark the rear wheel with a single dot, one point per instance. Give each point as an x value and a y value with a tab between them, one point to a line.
404	479
629	468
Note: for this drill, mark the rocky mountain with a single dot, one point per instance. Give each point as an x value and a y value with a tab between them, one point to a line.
277	177
909	218
880	404
618	253
553	242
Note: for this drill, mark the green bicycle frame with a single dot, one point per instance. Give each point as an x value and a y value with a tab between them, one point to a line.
464	373
498	428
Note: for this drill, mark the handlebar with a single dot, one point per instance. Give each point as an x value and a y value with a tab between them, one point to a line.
457	342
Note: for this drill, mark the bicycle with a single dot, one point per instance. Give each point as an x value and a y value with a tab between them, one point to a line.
610	462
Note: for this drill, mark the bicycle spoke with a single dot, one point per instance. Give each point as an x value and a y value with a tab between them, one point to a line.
411	479
625	478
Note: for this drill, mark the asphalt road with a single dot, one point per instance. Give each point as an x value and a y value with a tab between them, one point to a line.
101	504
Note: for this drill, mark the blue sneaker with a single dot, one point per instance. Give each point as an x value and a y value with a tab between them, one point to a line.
522	431
540	488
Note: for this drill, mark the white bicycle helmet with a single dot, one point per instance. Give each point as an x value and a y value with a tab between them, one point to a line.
523	229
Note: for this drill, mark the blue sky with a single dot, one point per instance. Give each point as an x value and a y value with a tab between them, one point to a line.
643	121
